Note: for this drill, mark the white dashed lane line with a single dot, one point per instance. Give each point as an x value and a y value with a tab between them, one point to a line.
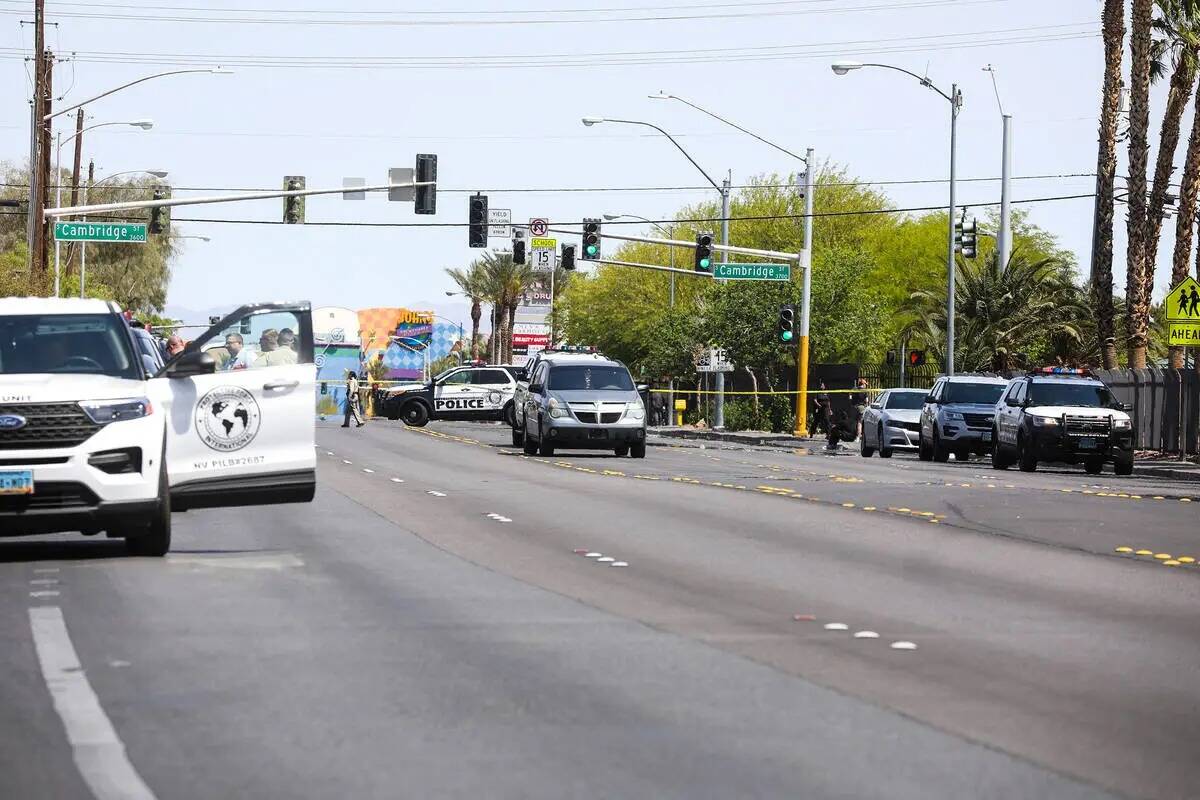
498	517
600	558
368	471
397	480
435	494
44	593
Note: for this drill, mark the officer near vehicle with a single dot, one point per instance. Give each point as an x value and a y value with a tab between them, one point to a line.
352	401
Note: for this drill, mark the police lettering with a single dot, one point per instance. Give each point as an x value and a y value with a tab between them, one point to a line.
460	404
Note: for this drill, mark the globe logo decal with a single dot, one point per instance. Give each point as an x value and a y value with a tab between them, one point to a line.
227	418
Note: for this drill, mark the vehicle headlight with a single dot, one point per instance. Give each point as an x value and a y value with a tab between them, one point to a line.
1121	424
635	411
103	412
954	416
557	410
1044	421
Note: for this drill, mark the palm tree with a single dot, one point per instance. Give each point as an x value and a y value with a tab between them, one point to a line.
1178	25
1137	300
473	283
1106	169
1181	259
505	283
1023	307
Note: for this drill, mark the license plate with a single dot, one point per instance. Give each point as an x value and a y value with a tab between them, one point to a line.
16	482
987	436
1087	444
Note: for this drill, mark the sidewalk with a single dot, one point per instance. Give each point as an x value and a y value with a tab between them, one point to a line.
1148	468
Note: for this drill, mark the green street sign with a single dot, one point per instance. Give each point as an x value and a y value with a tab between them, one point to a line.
100	231
753	272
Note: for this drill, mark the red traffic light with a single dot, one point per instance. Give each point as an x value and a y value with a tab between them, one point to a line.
916	358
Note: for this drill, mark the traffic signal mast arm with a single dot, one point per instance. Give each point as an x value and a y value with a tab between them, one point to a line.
655	267
748	251
70	211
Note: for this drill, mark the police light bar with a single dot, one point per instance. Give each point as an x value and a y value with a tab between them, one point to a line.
1059	371
572	348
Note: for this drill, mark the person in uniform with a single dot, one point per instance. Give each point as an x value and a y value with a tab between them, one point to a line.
352	409
270	353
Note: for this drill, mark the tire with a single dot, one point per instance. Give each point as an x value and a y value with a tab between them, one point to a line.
940	453
924	452
1123	466
1094	466
510	416
1000	459
884	452
638	450
529	445
518	437
415	414
623	450
1026	460
154	540
544	448
863	450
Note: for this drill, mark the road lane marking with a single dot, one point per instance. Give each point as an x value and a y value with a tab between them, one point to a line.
344	461
903	646
593	554
397	480
43	582
619	564
435	494
43	593
45	570
836	626
368	471
98	752
866	635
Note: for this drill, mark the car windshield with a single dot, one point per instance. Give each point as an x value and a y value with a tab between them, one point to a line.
1090	395
983	393
568	378
87	344
905	401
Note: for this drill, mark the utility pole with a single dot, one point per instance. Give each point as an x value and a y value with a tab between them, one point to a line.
78	157
955	102
35	131
805	264
41	240
719	377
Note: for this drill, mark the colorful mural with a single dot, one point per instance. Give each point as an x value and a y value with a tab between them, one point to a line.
402	336
333	362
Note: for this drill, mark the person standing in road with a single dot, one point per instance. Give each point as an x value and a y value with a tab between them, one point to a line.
822	419
860	400
352	409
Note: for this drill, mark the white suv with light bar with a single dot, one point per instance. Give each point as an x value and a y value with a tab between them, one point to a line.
90	441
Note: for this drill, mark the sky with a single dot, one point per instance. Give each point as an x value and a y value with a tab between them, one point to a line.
497	90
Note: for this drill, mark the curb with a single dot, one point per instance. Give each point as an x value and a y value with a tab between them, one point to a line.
748	437
1181	475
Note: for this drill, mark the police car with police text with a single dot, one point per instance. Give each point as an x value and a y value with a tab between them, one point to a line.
466	393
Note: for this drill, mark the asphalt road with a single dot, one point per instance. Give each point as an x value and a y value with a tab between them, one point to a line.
433	626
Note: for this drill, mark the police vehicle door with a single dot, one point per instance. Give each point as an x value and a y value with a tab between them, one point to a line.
457	396
241	428
1009	418
497	388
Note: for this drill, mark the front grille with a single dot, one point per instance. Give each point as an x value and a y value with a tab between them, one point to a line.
608	419
915	427
1085	426
48	497
48	425
979	420
586	416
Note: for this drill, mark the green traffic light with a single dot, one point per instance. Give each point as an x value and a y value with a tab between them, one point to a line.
786	336
706	262
592	249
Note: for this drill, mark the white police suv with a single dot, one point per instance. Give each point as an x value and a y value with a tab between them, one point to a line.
464	393
91	441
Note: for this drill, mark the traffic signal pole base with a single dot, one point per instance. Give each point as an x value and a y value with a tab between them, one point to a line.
801	430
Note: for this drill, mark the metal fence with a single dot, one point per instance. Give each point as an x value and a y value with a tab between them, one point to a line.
1166	404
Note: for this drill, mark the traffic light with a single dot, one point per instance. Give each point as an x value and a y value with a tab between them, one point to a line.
158	216
916	358
704	252
293	207
891	357
591	239
477	217
518	246
785	329
568	256
425	197
968	237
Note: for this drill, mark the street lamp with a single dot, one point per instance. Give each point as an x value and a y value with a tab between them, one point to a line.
954	98
144	124
723	191
801	429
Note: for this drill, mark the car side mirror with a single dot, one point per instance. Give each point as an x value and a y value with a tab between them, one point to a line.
876	405
1126	407
188	365
641	387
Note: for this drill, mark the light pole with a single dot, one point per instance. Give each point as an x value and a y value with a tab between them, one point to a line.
144	124
801	429
955	101
158	173
36	217
723	191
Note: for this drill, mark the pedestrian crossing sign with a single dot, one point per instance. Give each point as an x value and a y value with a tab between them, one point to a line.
1183	303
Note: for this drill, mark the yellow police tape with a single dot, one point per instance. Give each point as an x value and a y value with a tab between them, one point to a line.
810	390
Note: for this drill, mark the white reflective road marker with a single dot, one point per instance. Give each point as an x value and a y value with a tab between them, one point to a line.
606	560
866	635
397	480
43	593
435	494
368	471
344	461
903	646
836	626
46	569
98	751
619	564
43	581
592	555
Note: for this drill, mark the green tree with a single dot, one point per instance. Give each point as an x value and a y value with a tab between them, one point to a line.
472	281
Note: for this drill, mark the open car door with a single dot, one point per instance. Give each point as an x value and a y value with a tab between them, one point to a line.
239	403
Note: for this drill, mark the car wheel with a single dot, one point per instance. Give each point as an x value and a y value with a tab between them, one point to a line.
863	450
1094	466
510	416
155	539
1026	458
623	450
940	453
530	446
638	450
415	414
544	447
1123	465
884	452
1000	459
924	451
518	437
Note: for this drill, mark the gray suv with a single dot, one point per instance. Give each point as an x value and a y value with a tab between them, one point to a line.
583	402
958	416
